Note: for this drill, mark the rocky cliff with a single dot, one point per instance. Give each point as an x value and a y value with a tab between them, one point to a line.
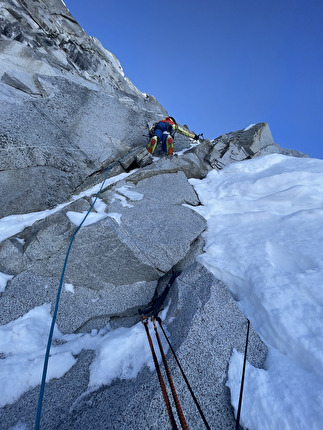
67	114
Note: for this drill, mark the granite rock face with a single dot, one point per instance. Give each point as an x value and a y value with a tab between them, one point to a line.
67	108
69	117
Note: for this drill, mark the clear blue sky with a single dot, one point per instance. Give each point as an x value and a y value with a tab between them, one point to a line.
220	65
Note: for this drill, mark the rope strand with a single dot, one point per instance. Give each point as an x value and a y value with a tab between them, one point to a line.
170	380
160	377
184	376
243	377
51	331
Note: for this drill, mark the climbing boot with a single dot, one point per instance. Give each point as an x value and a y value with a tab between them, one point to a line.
152	144
169	145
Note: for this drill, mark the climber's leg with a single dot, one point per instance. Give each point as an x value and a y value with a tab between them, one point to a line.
152	144
169	145
167	142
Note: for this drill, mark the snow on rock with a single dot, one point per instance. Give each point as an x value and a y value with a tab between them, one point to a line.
264	240
49	68
77	217
3	281
120	353
22	343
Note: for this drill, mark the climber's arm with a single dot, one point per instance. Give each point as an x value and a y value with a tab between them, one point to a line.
185	132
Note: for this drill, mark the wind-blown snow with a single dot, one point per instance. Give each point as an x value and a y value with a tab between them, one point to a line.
264	240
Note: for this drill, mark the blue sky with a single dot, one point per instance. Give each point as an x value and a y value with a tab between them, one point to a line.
220	65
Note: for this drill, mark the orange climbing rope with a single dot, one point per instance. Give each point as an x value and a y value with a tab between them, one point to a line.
144	320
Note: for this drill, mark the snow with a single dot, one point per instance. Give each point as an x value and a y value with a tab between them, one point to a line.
122	199
120	353
116	216
127	192
3	281
249	127
23	343
69	288
264	240
14	224
77	217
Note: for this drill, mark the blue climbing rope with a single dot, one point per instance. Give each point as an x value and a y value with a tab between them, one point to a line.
50	336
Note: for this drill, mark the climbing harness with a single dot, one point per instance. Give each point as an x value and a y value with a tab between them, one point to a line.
243	377
50	336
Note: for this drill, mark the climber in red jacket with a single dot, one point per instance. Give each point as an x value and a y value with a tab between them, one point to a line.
163	131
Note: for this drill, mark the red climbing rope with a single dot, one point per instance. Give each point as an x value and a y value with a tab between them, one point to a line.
144	320
170	380
184	376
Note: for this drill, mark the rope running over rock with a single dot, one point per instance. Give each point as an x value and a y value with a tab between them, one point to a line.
50	336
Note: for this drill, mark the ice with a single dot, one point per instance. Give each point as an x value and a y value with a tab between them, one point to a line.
263	240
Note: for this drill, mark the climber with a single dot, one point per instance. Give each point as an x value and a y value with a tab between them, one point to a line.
163	131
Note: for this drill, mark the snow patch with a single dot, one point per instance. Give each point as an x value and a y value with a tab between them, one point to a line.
69	288
249	127
3	281
14	224
116	216
131	195
264	240
77	217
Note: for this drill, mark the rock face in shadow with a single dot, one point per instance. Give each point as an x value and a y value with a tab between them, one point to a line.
68	115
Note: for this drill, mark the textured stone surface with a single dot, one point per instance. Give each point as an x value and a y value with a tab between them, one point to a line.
66	106
204	325
241	145
67	112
